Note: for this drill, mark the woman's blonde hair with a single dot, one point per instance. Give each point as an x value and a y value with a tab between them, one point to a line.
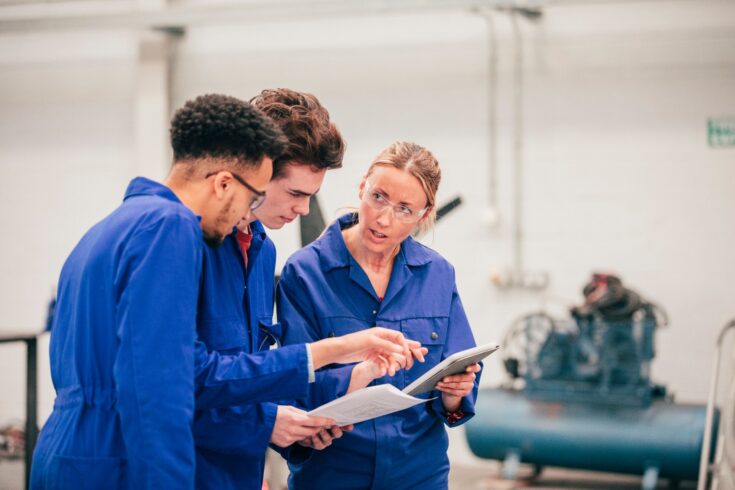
419	162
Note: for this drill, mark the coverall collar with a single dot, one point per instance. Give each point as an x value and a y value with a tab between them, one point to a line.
141	186
412	252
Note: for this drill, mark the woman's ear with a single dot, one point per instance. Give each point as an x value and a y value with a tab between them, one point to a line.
426	215
361	188
418	229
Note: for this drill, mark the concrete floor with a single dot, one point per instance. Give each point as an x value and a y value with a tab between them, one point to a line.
551	478
11	474
461	478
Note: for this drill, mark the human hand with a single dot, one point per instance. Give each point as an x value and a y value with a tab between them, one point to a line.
376	366
294	425
457	386
324	437
358	346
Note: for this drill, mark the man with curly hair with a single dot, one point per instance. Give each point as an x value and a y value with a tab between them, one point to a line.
125	359
122	343
231	442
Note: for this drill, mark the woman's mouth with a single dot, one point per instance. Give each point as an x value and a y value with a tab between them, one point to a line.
377	234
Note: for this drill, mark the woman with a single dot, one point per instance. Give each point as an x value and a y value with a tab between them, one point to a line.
366	270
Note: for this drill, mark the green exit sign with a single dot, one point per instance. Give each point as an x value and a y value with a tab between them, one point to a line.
721	131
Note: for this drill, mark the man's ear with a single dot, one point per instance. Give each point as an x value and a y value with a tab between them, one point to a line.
222	183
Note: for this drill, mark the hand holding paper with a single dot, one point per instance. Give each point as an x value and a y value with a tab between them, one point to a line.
293	425
452	374
324	437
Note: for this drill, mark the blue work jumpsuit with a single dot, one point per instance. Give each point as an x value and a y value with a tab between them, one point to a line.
236	316
122	357
323	292
125	358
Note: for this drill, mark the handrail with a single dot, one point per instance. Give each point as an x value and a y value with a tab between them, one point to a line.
704	466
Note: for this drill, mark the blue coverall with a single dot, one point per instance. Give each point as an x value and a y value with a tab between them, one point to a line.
122	357
324	292
125	358
236	316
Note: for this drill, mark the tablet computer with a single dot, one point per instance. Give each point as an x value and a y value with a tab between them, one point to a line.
454	364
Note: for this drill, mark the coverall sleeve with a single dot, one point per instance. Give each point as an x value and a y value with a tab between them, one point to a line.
459	337
267	376
157	284
256	420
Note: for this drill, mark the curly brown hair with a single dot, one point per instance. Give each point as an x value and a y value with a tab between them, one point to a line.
220	126
312	138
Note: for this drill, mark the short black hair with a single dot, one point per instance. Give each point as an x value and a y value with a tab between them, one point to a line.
220	126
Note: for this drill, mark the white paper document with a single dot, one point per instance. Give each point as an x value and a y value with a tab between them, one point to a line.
375	401
366	404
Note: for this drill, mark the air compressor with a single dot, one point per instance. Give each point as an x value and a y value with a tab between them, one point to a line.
581	394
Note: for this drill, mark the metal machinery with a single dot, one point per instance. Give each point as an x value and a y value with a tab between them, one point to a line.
582	397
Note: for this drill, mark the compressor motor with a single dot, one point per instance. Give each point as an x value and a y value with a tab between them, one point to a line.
602	353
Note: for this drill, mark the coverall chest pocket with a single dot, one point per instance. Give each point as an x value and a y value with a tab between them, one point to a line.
224	334
432	333
334	326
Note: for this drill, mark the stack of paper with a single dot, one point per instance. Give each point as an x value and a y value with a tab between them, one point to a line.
366	404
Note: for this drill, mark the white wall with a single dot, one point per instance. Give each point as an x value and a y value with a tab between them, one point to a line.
617	171
65	153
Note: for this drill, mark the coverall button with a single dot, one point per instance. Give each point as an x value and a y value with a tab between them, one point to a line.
434	335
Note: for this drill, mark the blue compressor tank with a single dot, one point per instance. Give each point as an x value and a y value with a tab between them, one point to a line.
617	439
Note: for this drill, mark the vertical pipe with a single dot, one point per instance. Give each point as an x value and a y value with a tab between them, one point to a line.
31	405
492	110
517	148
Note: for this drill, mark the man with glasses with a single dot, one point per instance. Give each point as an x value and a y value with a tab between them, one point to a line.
122	343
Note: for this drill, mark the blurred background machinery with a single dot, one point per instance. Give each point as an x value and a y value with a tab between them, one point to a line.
581	395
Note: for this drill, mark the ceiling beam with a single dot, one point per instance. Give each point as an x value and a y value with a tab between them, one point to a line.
125	15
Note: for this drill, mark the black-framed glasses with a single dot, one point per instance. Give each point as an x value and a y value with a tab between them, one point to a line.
258	197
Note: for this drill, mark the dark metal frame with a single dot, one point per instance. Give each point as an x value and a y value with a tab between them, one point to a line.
31	432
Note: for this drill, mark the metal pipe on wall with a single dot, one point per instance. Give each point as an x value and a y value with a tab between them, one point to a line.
493	212
518	94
